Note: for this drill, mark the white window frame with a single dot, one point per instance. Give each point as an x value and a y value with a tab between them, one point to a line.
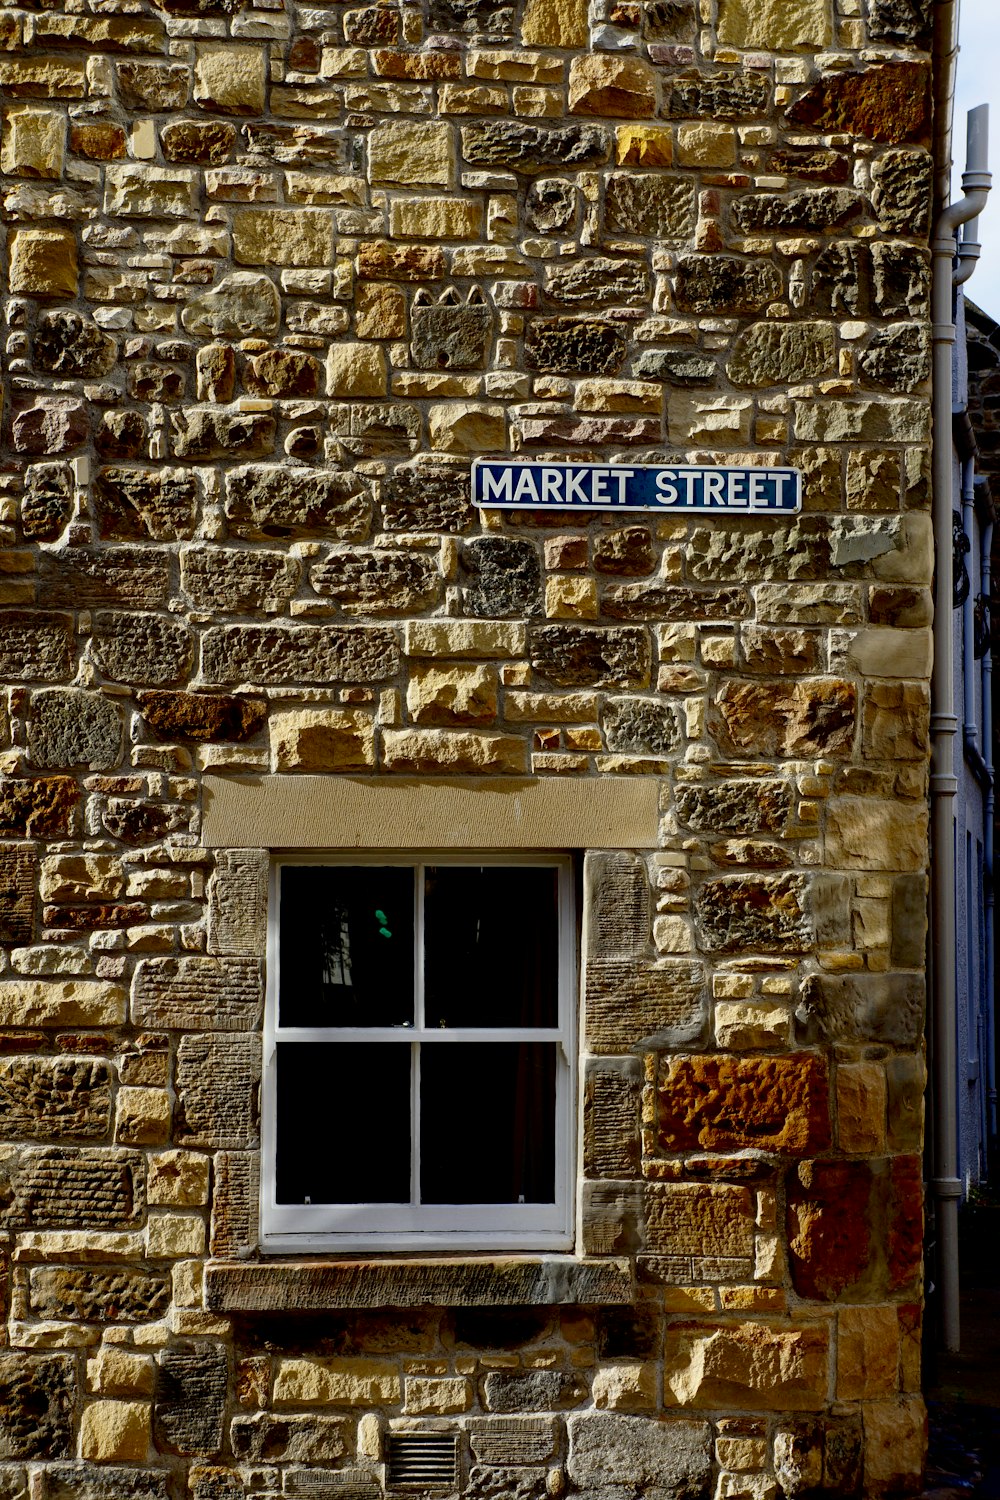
305	1228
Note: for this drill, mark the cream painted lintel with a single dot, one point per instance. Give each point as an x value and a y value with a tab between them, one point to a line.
343	812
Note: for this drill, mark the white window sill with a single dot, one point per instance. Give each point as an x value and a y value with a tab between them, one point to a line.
498	1281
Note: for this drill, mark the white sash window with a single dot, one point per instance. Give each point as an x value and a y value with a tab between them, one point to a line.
420	1029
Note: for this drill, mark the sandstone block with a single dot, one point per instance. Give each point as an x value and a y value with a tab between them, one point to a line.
532	148
451	695
777	25
272	654
356	370
190	1398
237	902
37	807
230	78
264	1438
423	1396
895	1445
283	237
37	1393
424	751
71	728
555	23
605	84
142	191
115	1431
412	154
242	304
868	1350
89	1482
625	1388
669	1456
729	1103
810	717
652	203
43	262
891	653
178	1179
120	1372
643	146
322	740
695	1219
745	1024
142	1116
861	1108
766	913
467	427
18	878
70	1002
706	145
45	1099
435	219
217	1091
464	638
336	1382
748	1366
535	1390
95	1294
866	833
34	142
888	103
140	648
267	500
854	1227
781	353
611	1145
174	1236
665	1002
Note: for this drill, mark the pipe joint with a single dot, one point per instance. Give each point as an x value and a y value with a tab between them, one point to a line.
946	1189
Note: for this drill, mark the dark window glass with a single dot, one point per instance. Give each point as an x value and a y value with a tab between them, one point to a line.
346	937
491	946
343	1123
488	1122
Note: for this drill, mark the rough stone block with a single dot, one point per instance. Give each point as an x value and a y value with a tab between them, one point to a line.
141	648
37	1396
725	1103
661	1457
699	1219
612	1096
115	1432
230	78
657	1003
101	1482
759	913
748	1366
776	25
264	501
280	237
55	1099
190	1400
412	154
265	1438
86	1188
18	875
854	1227
319	653
237	902
98	1294
43	262
336	1382
534	1390
868	1352
70	728
68	1002
378	582
196	993
34	142
217	1090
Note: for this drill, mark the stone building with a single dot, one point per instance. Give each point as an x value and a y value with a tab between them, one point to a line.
463	970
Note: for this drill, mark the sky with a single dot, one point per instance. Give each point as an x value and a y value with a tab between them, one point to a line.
978	76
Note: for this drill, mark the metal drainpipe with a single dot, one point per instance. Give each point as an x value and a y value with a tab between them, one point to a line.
946	1184
986	586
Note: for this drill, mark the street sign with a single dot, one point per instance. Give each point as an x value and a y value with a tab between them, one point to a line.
755	490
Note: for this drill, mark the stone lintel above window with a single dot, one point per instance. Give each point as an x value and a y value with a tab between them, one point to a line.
313	1286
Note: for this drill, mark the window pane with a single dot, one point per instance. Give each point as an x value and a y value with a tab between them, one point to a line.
488	1122
491	941
343	1123
346	946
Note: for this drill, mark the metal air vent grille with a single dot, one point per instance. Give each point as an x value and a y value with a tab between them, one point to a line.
425	1459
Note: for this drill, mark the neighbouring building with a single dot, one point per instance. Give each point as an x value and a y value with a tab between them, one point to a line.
462	980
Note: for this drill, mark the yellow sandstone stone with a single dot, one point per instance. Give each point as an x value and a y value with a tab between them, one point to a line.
778	25
895	1445
451	695
427	1397
72	1002
336	1382
555	23
571	598
861	1108
863	833
178	1178
745	1024
467	427
172	1236
322	739
283	237
460	638
230	78
379	310
706	145
644	146
48	78
34	142
625	1387
115	1371
519	67
435	219
115	1432
749	1366
867	1352
356	370
605	84
412	154
142	1116
603	395
453	751
43	262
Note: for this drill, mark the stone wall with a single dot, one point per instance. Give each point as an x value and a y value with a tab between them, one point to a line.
275	273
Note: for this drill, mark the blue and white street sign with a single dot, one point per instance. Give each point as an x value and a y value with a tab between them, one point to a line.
539	486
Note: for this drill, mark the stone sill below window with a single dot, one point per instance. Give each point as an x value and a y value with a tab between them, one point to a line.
325	1285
